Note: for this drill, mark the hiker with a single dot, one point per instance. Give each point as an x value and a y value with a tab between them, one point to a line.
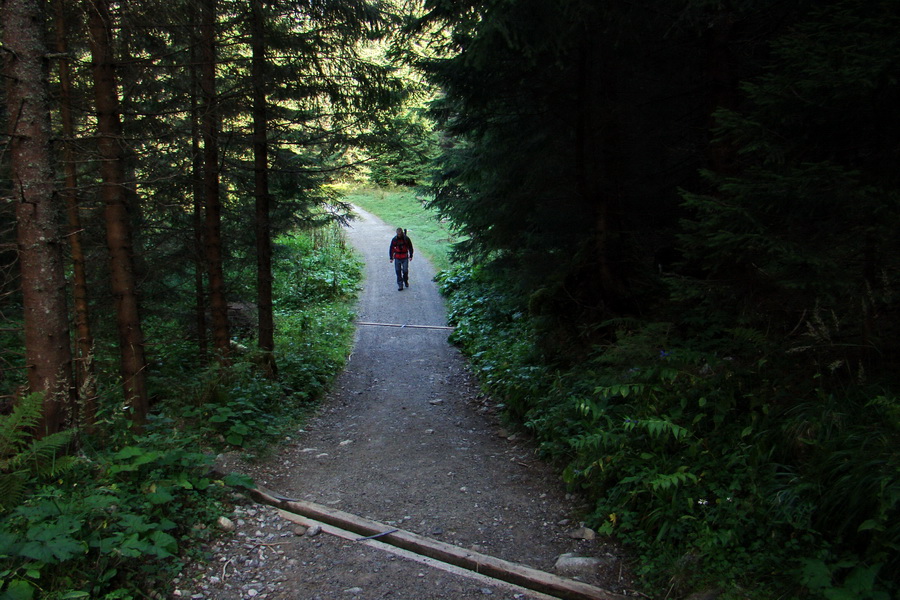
401	251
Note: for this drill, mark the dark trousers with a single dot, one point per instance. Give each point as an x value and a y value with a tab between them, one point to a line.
401	267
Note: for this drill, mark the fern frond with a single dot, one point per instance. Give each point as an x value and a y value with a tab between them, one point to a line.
24	457
41	455
12	489
15	428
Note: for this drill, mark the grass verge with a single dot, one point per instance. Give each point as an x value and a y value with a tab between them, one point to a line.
403	207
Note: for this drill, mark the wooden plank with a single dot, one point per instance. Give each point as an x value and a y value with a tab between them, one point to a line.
553	585
412	556
406	326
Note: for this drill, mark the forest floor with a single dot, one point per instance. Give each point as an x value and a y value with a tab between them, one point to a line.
405	439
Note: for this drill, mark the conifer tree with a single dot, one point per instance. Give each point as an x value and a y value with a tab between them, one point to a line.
116	215
568	126
266	333
211	185
48	355
85	377
804	223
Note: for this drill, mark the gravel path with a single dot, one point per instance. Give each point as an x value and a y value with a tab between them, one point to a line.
405	439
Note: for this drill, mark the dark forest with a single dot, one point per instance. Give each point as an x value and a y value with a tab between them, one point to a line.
677	262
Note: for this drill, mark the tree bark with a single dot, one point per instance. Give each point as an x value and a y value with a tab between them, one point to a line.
266	334
47	352
118	228
85	379
197	190
213	222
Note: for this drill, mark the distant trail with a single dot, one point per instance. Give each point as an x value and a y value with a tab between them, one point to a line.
405	439
379	301
394	395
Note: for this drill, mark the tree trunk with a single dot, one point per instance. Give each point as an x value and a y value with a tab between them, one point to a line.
213	230
47	352
84	340
261	183
599	170
198	203
128	70
118	229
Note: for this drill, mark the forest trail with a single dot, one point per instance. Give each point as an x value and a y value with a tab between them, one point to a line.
405	439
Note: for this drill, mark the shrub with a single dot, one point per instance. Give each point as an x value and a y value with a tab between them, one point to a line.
715	460
123	515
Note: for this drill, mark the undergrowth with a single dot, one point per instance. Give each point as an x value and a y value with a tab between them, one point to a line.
119	518
708	455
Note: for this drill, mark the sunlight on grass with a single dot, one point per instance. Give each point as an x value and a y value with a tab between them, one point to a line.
402	207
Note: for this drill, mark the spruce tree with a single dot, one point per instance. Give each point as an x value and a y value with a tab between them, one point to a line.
804	226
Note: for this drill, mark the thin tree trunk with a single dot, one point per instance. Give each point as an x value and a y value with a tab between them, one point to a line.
47	351
261	181
198	203
118	229
84	340
128	70
598	167
213	230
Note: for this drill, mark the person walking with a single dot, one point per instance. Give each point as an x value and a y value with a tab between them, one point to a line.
401	252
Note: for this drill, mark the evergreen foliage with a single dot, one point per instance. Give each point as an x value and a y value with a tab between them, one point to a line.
801	235
408	162
700	322
569	126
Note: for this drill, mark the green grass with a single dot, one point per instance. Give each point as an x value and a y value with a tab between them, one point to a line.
403	207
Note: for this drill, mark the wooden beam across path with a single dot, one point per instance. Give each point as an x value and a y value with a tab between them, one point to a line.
526	577
517	590
406	325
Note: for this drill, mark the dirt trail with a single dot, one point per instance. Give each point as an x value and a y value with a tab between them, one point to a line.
405	439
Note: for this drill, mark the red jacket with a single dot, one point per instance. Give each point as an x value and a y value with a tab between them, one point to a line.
401	247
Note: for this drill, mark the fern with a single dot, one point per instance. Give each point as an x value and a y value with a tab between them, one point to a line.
14	427
657	428
24	458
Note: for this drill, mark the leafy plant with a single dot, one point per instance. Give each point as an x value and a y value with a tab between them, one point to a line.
692	455
25	458
842	580
125	516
